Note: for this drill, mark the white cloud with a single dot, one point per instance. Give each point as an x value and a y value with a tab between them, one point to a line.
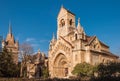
30	40
34	43
43	40
37	43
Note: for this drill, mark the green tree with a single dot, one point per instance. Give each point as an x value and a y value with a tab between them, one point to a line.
108	69
45	73
83	69
7	66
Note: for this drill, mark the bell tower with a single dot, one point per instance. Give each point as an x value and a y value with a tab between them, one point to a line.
65	22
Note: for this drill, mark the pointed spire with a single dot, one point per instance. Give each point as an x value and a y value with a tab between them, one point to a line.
10	28
39	50
79	27
78	22
62	6
53	38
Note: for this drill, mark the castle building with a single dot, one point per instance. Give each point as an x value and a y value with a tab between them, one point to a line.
36	64
73	46
11	45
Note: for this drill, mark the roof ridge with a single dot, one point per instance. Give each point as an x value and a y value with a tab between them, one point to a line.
67	41
103	44
91	39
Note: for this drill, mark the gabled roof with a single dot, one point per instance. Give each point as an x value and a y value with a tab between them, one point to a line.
69	11
109	53
104	44
90	39
105	53
66	41
65	10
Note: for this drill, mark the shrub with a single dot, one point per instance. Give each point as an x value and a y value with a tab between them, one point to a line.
83	69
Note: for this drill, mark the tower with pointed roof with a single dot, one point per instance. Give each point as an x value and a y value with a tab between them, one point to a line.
65	22
73	46
11	44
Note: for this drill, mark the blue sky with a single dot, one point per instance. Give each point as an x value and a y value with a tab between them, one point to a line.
34	21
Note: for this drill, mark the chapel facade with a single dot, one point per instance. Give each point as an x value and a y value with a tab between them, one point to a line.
73	46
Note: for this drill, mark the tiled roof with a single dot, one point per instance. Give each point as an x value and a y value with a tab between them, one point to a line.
89	39
103	44
105	53
109	53
68	11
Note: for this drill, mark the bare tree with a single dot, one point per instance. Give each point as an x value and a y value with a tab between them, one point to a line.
25	51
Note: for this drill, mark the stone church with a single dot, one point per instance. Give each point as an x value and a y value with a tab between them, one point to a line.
73	46
11	45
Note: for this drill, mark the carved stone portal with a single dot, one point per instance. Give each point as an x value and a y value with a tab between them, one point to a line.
60	66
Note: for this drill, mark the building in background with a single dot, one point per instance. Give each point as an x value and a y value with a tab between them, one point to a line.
73	46
36	64
11	44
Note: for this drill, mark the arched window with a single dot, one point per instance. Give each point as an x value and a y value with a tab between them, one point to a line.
62	22
70	22
75	36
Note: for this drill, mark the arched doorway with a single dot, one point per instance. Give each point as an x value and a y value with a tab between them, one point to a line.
60	66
